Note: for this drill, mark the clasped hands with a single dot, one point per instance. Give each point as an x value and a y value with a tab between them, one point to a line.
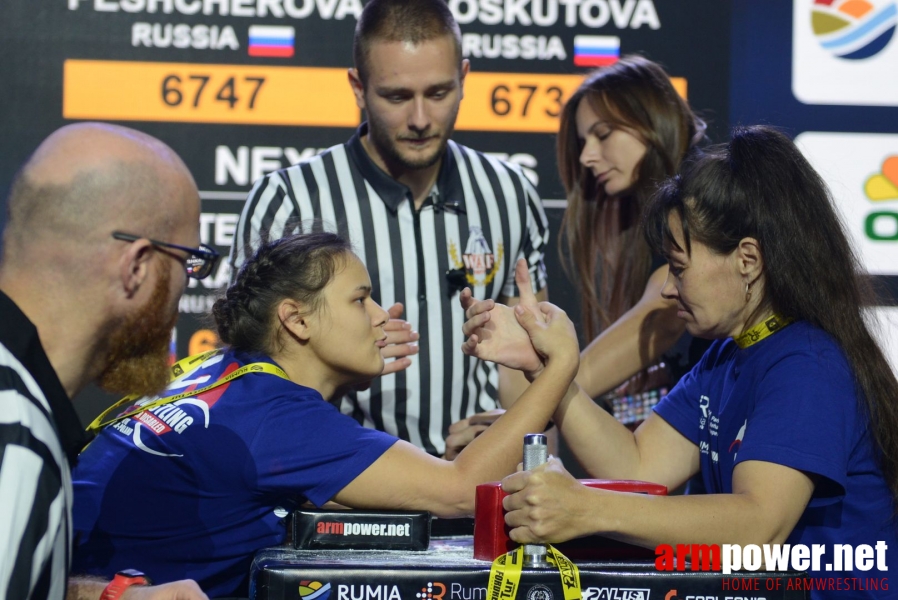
522	337
545	504
515	337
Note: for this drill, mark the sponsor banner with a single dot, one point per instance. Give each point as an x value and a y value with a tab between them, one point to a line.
845	52
447	571
861	170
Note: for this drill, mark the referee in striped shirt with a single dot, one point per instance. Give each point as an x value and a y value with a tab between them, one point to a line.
427	216
83	297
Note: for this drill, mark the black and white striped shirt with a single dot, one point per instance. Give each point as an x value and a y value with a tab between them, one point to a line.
408	254
40	436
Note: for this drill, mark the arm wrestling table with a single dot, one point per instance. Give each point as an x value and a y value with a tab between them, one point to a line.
448	571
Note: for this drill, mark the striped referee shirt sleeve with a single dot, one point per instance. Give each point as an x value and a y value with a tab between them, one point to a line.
35	490
534	238
268	208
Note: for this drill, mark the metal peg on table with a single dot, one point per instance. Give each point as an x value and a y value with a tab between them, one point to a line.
536	453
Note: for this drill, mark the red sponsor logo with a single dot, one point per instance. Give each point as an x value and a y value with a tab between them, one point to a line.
157	426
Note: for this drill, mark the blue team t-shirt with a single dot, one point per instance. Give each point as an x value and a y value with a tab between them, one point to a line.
790	399
188	490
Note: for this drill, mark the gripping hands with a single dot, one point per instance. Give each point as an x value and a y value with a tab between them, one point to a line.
526	337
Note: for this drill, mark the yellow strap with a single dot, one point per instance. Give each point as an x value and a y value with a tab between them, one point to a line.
570	574
762	330
505	574
179	369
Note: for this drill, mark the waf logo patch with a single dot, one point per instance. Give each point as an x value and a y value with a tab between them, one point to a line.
478	261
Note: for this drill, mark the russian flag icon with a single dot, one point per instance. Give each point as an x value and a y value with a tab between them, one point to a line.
271	40
596	50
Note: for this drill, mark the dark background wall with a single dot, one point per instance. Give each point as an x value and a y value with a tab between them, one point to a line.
140	63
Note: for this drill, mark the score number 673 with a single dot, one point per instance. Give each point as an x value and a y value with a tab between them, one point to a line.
526	100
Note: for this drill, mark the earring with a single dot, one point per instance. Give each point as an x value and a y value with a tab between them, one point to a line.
747	293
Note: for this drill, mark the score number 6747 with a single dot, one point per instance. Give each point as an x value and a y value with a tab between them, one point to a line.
195	90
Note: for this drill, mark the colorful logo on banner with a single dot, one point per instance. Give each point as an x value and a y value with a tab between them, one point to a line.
596	50
864	190
884	185
843	52
433	591
854	29
882	225
314	590
273	41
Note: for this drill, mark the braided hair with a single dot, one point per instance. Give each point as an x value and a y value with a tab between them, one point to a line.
298	267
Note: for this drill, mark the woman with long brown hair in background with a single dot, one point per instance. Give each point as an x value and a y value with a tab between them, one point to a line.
622	132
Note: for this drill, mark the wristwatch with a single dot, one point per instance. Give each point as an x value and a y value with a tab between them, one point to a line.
122	581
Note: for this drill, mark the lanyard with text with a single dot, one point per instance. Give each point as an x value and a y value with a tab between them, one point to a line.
505	574
178	369
764	329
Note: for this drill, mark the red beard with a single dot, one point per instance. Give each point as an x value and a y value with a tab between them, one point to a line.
138	347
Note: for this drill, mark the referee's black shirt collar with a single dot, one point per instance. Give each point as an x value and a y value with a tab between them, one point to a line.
19	335
394	193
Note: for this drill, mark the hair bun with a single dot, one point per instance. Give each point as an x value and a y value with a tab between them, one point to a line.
221	312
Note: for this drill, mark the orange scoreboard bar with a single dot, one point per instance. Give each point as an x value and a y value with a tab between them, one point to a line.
301	96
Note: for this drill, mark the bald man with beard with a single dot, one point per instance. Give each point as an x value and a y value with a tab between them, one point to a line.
89	288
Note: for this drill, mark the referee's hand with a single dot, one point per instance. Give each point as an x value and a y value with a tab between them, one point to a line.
402	342
462	433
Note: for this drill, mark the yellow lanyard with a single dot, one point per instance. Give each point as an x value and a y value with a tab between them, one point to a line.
762	330
505	574
178	369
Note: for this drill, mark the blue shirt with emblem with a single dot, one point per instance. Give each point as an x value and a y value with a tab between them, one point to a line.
189	490
790	399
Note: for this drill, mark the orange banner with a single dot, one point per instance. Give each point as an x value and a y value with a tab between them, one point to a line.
520	102
310	96
204	93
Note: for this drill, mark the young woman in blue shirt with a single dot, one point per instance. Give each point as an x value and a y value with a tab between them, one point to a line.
191	488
